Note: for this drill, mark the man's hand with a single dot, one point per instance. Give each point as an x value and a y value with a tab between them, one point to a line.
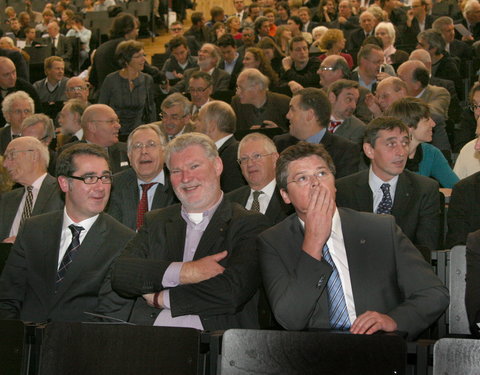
9	239
203	269
177	75
318	220
150	299
382	75
371	322
372	104
341	20
287	63
294	86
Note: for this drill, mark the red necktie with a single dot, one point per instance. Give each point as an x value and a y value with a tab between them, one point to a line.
333	125
143	204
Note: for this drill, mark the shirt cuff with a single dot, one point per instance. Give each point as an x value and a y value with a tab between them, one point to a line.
166	299
171	277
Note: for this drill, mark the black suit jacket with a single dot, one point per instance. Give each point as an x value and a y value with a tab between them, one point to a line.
277	209
460	49
20	63
409	35
27	284
237	69
231	177
64	48
387	275
222	302
125	196
463	213
103	62
472	288
5	138
345	154
416	205
49	199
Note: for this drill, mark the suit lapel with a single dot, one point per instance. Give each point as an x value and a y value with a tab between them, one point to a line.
403	193
176	229
44	194
11	208
363	193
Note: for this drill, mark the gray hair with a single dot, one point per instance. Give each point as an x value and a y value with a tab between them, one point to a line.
434	40
390	30
35	144
153	127
221	114
440	22
267	142
177	99
255	78
183	141
48	127
11	98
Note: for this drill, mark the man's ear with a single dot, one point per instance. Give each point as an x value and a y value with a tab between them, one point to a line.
284	194
332	98
63	183
368	150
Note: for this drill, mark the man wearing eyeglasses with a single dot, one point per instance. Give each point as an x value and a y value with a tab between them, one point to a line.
77	88
60	259
146	185
335	268
257	156
101	126
26	160
200	89
15	108
175	116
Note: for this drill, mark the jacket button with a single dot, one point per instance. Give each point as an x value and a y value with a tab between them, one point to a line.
320	281
153	315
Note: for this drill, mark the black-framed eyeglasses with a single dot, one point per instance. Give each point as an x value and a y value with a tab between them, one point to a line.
197	90
473	107
254	157
174	117
91	180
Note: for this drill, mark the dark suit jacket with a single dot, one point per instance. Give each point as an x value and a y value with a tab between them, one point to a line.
472	288
387	274
352	129
463	213
222	302
237	69
275	109
221	80
49	199
460	49
416	205
409	35
20	63
64	47
103	62
345	154
475	32
125	196
277	209
231	177
5	138
27	284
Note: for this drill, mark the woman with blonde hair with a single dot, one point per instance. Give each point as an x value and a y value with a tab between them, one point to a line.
333	42
234	25
283	37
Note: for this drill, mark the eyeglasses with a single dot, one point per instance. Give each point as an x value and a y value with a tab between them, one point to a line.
21	111
176	29
253	158
12	155
110	122
77	88
174	117
197	90
473	107
139	146
326	68
91	180
305	179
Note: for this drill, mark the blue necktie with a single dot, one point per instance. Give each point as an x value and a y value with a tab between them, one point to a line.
70	253
385	206
337	307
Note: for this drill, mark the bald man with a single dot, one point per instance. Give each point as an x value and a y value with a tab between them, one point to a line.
77	88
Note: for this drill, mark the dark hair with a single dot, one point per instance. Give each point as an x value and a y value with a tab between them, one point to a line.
315	99
409	110
366	50
125	51
434	40
78	19
421	75
177	42
372	39
216	11
341	64
297	20
65	162
382	123
297	39
226	40
265	66
267	43
298	151
202	75
123	24
259	22
196	17
338	86
284	5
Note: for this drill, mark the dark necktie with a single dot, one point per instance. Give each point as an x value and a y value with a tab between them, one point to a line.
54	49
27	209
142	207
70	253
337	307
256	204
385	206
333	125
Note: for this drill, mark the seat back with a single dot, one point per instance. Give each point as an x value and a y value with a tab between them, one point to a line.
457	313
456	356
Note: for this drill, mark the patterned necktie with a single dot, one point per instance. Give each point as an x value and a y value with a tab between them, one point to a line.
337	307
385	206
142	207
256	204
333	125
70	253
27	209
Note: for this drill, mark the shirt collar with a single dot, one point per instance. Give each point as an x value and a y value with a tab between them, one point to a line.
317	137
159	179
221	141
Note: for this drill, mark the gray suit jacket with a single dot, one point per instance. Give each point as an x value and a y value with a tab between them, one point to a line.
387	274
353	129
416	205
27	284
49	199
438	99
125	197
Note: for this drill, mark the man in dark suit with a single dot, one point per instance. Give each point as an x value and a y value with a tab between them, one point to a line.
456	48
255	106
179	60
26	160
194	264
472	300
417	20
208	58
298	66
232	61
217	120
309	117
9	82
353	271
305	16
346	20
257	156
100	126
471	21
59	44
19	62
145	186
69	119
414	200
200	89
60	259
343	96
356	37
